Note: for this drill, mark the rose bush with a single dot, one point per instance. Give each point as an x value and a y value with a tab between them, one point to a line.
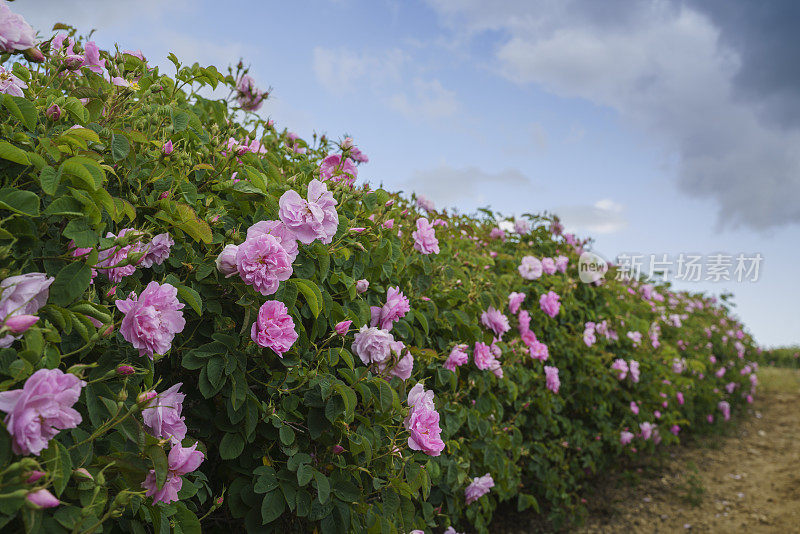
206	324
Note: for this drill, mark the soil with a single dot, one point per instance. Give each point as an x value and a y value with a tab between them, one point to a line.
746	481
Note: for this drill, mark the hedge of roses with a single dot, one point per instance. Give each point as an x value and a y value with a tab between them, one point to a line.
207	324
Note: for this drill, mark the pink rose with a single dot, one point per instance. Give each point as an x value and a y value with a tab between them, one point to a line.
549	303
180	461
425	203
21	297
424	236
396	307
538	351
551	378
458	357
10	84
422	423
274	327
561	263
484	359
162	414
633	367
279	231
514	301
91	58
621	366
15	32
152	319
634	408
479	487
113	261
41	498
342	327
522	227
157	250
530	268
495	321
524	319
338	170
311	219
548	265
646	430
625	437
42	408
497	233
373	345
263	263
248	96
226	261
725	408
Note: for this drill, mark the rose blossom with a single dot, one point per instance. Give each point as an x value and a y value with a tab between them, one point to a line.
538	351
248	95
263	263
10	84
41	498
633	367
548	265
424	236
458	357
112	258
181	461
226	261
522	227
484	359
621	366
625	437
162	416
425	203
549	303
552	381
530	268
314	218
404	365
15	32
647	430
524	319
332	167
634	408
152	319
373	345
21	295
495	321
43	407
279	231
157	250
396	307
422	422
514	301
342	327
561	263
497	233
479	487
274	327
725	408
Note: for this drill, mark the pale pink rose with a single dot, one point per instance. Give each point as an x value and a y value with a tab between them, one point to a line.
15	33
311	219
425	203
524	319
646	430
21	297
91	58
633	367
157	250
634	408
42	408
181	461
152	319
725	408
373	345
621	366
552	381
484	359
548	265
522	227
424	236
479	487
337	169
362	285
274	327
249	97
422	422
530	268
162	414
113	261
625	437
497	233
561	263
10	84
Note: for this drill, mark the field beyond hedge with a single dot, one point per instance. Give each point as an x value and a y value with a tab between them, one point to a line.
209	323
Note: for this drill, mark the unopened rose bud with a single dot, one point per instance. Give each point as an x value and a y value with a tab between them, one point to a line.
82	473
362	285
226	261
34	476
342	327
110	292
18	324
42	498
347	143
167	148
220	500
53	112
337	449
34	54
145	396
164	195
389	203
125	370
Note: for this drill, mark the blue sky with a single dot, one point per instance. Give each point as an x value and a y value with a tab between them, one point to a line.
639	123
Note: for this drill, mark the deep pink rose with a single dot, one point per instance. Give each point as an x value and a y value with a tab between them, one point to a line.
162	416
458	357
524	319
479	487
549	303
422	423
43	407
311	219
396	307
279	231
181	461
274	327
552	381
263	263
152	319
424	236
484	359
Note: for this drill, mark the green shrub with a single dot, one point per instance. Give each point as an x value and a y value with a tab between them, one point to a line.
313	439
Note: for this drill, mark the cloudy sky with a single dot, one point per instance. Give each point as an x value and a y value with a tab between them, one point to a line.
658	127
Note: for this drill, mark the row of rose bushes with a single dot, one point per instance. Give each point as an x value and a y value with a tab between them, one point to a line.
207	324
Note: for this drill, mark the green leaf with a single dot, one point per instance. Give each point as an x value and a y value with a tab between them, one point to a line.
180	120
349	398
23	109
120	146
272	507
192	298
12	153
24	202
266	481
346	491
304	474
287	435
49	180
185	521
386	394
231	446
78	230
59	464
87	172
311	293
160	464
70	283
323	487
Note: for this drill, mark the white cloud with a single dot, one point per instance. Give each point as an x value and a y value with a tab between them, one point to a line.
449	186
662	66
342	71
603	217
426	100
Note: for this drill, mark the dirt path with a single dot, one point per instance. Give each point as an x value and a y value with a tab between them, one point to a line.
748	481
